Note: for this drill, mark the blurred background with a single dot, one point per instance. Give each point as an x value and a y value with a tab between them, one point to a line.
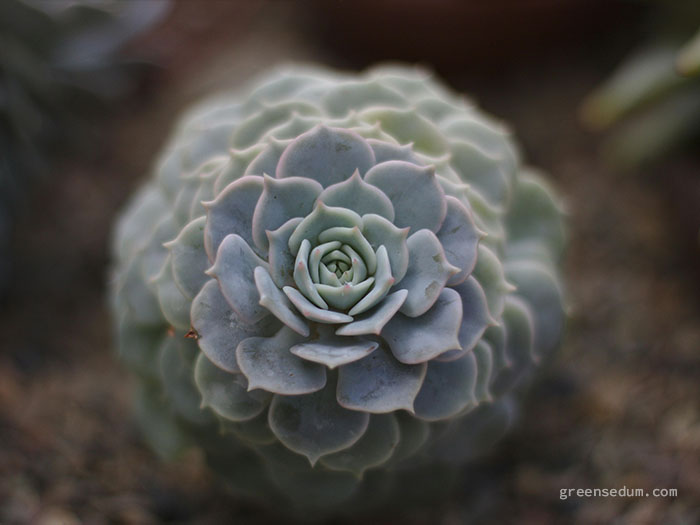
600	94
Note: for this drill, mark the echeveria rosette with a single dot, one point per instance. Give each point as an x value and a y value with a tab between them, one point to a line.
365	275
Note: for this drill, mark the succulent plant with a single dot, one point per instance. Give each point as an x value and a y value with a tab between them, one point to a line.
651	102
333	281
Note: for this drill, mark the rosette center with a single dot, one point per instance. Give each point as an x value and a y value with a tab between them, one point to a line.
337	269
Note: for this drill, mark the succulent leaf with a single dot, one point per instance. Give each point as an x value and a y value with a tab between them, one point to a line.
416	195
448	388
234	268
326	155
374	448
334	351
232	213
315	425
268	364
226	393
419	339
428	272
356	195
219	328
379	383
281	200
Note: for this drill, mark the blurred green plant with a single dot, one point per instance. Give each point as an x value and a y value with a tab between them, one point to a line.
57	57
651	103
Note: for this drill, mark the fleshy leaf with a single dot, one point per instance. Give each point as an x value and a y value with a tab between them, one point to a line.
314	424
414	433
240	160
277	303
334	351
174	305
266	161
484	365
161	430
385	151
490	274
145	207
251	130
539	287
154	254
487	217
326	276
383	281
414	191
278	456
419	339
448	389
169	171
320	219
359	268
227	393
352	237
328	155
452	355
281	200
481	170
138	300
294	127
459	237
189	259
220	329
373	449
535	217
232	212
315	259
210	140
358	196
302	276
428	271
353	96
408	127
452	185
280	258
379	231
268	364
137	345
475	313
436	109
255	431
520	332
379	383
345	296
183	201
372	321
491	137
495	336
233	268
207	175
287	81
176	358
312	312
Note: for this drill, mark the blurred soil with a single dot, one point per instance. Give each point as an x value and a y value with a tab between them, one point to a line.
618	406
